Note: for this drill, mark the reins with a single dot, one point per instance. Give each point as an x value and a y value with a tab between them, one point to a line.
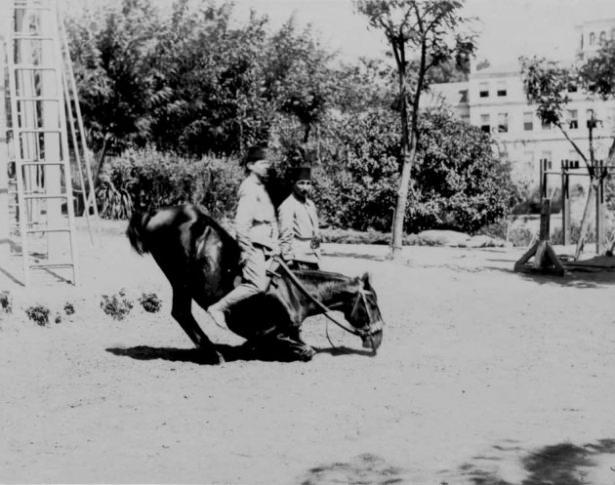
319	304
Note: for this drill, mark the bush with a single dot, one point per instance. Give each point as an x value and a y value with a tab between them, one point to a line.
116	305
39	314
6	302
521	236
457	183
150	302
147	179
69	308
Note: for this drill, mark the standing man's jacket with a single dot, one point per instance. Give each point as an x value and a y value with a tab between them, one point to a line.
299	230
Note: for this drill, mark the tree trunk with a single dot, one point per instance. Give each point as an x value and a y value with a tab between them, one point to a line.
406	158
593	185
587	211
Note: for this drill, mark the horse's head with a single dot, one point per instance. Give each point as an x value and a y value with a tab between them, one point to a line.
363	314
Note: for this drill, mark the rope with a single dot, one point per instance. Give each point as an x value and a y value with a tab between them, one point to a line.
326	310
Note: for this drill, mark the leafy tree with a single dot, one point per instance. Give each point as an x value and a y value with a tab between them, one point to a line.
299	80
211	77
546	82
112	53
364	85
434	29
459	184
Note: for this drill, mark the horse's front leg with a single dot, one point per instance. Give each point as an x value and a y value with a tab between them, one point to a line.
182	312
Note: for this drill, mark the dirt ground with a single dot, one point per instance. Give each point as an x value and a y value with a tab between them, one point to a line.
484	376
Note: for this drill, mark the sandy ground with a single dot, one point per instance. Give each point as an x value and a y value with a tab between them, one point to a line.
484	377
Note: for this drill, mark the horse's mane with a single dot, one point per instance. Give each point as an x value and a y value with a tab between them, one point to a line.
326	282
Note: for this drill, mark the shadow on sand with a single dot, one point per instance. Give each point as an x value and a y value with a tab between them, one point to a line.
229	352
572	279
564	463
365	468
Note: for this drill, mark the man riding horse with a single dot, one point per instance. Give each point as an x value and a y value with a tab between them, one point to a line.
202	261
256	231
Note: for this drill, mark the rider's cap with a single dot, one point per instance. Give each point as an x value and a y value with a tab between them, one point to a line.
256	153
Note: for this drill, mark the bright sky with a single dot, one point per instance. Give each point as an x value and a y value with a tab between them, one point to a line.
510	28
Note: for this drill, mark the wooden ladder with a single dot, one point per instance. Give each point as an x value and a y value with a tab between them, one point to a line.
40	155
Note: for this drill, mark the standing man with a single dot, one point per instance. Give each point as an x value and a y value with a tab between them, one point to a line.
299	235
256	232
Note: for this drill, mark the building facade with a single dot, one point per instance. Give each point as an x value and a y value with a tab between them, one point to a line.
494	100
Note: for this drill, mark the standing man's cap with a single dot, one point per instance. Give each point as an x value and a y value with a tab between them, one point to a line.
255	154
301	173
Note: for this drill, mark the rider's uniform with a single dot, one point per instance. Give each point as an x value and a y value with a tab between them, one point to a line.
257	234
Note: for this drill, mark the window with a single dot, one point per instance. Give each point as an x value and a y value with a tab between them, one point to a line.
485	123
501	88
463	96
602	39
483	90
572	88
613	33
591	118
573	119
502	122
528	121
592	38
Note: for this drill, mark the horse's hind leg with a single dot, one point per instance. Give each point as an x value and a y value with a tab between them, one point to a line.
182	312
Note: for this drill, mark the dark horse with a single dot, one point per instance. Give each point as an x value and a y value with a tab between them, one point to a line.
201	261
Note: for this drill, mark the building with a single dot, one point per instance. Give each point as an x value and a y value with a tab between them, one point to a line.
494	100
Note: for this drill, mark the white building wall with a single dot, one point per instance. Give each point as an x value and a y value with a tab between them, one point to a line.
496	102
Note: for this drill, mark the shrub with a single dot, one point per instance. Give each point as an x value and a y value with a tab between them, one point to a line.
6	302
150	302
69	308
520	236
116	305
39	314
147	179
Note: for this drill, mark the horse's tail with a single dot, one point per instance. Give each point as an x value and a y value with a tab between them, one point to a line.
136	231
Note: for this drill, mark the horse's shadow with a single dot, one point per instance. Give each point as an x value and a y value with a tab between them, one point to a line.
230	353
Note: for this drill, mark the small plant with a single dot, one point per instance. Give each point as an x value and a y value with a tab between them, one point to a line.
117	305
39	314
6	302
69	308
58	318
150	302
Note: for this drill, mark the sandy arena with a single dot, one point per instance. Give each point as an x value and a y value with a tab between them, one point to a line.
484	377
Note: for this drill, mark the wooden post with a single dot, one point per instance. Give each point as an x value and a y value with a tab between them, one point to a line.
600	220
543	177
566	164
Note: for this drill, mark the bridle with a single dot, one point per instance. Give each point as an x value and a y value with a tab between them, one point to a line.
360	297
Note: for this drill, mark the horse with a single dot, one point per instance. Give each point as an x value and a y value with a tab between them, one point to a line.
201	261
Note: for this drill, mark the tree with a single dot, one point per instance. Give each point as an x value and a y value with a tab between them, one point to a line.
546	84
434	29
299	80
112	53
